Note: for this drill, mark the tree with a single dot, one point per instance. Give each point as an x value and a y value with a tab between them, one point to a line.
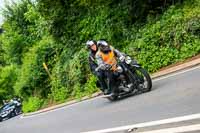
1	30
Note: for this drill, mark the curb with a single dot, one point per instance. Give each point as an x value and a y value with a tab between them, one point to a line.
161	73
63	104
174	69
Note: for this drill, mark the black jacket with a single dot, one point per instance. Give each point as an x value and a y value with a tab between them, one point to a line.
92	61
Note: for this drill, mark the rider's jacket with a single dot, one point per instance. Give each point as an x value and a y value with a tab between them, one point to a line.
108	58
92	61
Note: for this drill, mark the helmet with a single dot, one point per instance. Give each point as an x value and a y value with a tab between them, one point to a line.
89	43
103	46
102	43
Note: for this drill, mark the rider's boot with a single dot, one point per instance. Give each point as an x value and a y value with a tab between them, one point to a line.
106	92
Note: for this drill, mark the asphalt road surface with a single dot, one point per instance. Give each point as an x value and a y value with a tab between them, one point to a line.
176	95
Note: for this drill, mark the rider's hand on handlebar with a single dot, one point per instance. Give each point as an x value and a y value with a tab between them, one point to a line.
97	69
122	58
107	67
103	67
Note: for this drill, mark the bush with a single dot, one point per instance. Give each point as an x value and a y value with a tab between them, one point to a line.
58	92
173	38
90	87
8	78
32	104
33	79
78	69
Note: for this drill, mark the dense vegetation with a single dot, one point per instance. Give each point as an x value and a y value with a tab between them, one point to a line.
53	33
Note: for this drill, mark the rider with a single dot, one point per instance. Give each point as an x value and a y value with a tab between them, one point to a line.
107	57
92	46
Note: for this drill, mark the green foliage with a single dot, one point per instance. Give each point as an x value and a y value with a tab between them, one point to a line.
33	79
90	87
78	68
32	104
59	94
99	24
173	38
2	60
8	78
24	26
12	45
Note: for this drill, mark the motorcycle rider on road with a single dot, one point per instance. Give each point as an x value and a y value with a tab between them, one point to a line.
107	57
92	46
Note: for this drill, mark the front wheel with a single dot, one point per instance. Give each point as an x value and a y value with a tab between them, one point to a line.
144	80
12	114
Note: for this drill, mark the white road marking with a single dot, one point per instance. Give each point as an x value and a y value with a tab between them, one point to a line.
182	129
146	124
176	73
157	79
57	109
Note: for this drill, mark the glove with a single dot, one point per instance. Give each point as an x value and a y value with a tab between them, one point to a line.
97	69
122	58
107	66
101	66
119	69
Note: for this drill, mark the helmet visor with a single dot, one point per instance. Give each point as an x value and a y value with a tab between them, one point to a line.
105	48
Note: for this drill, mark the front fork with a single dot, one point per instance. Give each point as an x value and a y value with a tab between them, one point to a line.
130	74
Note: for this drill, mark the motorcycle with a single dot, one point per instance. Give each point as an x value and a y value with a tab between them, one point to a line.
132	79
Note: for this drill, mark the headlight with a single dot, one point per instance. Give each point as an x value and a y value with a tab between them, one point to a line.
5	112
128	60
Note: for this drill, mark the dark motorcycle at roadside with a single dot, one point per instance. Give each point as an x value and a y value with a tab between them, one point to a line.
133	80
10	110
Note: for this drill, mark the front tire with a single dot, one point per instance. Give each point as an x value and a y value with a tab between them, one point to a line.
12	114
142	77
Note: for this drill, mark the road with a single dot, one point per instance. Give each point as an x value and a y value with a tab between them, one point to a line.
176	95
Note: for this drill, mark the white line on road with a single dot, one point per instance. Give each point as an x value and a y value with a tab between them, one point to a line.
176	73
176	129
57	109
146	124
